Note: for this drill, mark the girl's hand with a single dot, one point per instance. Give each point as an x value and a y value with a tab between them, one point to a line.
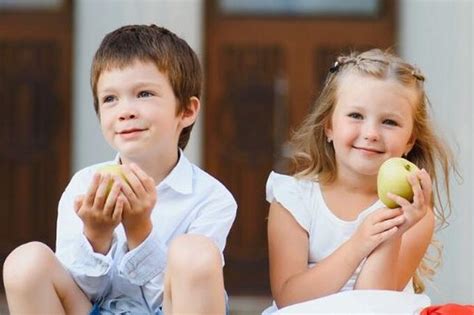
376	228
100	212
141	199
416	210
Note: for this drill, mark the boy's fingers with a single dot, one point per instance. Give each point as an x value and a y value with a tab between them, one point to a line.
78	202
128	192
117	214
112	198
90	195
133	180
101	194
147	181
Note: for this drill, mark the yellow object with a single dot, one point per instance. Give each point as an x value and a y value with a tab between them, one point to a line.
392	177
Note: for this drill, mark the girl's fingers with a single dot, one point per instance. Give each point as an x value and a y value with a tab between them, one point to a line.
385	214
418	198
389	224
112	198
387	234
90	195
147	182
425	181
402	202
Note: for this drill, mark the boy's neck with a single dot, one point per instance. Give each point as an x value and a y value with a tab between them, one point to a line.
157	167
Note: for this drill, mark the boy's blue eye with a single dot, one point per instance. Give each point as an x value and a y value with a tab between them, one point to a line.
355	115
390	122
107	99
144	94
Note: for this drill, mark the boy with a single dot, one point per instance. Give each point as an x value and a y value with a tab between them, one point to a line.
151	243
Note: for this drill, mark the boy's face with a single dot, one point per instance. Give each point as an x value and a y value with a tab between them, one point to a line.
138	111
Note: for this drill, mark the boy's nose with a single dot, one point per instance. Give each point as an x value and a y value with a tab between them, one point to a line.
127	111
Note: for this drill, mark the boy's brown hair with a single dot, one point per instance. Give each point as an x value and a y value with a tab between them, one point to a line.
171	54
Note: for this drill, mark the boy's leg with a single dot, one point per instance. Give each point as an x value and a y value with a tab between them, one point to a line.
194	282
36	283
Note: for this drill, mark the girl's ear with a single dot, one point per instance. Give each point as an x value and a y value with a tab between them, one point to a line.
190	112
410	144
328	131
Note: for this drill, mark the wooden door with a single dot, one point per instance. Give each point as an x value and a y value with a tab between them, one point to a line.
263	73
35	102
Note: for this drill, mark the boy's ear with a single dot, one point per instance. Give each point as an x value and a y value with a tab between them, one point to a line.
190	112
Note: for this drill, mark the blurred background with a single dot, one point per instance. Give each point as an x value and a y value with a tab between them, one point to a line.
264	63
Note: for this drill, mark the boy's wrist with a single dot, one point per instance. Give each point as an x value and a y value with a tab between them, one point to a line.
136	233
99	240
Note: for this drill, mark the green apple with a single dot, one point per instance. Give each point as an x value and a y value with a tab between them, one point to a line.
112	170
392	177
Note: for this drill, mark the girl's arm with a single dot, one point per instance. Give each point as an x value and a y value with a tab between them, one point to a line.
394	262
292	281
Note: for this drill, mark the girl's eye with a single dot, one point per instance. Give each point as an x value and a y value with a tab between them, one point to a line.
355	115
390	122
144	94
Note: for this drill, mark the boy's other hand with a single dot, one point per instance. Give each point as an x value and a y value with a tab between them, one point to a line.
141	199
100	211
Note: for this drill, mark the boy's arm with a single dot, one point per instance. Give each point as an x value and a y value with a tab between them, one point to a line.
91	271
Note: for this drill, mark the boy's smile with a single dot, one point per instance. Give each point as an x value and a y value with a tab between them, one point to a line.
138	112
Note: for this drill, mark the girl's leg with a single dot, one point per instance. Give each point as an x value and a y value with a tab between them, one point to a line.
36	283
194	282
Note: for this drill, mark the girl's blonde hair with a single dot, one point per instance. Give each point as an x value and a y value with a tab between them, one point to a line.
314	156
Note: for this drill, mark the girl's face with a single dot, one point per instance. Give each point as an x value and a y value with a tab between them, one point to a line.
372	121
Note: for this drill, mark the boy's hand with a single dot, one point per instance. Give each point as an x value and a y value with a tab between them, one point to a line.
141	199
100	212
376	228
416	210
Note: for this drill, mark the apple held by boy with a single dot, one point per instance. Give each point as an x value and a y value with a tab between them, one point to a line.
112	170
393	177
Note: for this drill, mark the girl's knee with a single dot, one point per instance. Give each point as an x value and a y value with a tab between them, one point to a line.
194	256
27	263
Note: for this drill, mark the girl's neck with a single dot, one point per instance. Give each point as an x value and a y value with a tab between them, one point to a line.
157	167
366	185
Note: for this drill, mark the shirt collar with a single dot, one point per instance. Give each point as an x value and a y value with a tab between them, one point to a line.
180	179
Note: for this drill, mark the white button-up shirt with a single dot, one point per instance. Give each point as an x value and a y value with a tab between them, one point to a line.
188	201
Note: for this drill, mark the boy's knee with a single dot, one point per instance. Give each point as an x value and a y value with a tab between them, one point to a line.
194	256
26	264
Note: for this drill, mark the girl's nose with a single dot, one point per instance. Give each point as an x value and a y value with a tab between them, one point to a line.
371	133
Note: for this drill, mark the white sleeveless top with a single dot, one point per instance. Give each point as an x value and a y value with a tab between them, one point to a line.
304	200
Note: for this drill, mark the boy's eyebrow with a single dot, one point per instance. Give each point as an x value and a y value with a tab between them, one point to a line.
136	85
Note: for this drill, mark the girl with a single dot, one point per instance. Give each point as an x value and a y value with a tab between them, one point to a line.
327	229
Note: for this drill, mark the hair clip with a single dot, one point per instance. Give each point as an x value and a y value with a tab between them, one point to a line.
335	67
417	75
